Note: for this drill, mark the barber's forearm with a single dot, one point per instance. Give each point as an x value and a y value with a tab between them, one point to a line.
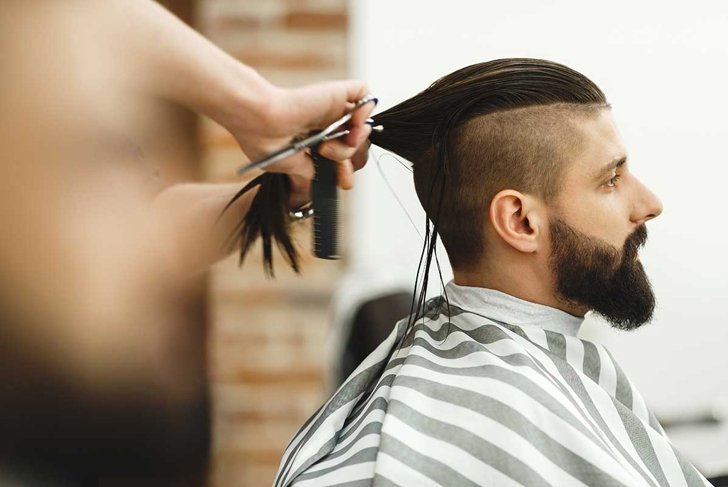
176	62
188	226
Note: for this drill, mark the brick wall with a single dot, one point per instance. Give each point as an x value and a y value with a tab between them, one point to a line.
267	337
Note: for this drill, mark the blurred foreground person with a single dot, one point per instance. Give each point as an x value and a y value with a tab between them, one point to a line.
102	364
521	170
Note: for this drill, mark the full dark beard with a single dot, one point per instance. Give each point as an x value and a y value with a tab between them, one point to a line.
593	274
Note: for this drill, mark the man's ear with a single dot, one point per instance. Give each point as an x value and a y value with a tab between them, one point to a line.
517	219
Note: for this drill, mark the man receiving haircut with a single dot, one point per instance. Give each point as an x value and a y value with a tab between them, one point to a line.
521	170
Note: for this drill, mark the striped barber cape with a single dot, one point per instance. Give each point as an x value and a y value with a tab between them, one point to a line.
499	391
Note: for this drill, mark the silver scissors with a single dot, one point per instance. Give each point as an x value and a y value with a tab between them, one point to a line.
333	131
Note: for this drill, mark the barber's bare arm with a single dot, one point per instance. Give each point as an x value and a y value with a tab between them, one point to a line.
175	62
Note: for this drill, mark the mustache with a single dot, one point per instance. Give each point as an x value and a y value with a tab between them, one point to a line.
634	242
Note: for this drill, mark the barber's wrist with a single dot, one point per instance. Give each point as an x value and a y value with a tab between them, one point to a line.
247	103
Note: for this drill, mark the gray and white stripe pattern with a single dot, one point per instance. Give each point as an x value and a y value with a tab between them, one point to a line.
493	390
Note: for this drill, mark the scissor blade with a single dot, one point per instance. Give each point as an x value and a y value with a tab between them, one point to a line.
268	160
284	153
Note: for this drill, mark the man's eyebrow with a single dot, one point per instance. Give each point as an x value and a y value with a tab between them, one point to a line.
606	170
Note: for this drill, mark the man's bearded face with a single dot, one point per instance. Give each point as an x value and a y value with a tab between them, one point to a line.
593	274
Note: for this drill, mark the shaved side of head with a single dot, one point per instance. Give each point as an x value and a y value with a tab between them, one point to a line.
502	124
524	149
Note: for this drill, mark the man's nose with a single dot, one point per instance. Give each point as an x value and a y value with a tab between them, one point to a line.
647	205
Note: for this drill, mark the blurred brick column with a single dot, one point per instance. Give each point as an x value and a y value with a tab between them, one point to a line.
267	337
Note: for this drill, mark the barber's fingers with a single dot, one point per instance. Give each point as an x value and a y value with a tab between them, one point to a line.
348	159
338	149
361	156
335	98
345	174
359	132
320	104
305	172
362	113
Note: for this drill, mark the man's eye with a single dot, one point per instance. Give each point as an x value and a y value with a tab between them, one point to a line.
613	182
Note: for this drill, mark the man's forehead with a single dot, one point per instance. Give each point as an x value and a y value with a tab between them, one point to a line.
602	148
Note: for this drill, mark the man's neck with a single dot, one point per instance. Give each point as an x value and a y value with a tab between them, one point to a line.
523	282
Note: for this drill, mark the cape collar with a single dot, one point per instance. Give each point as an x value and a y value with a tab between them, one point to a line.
512	310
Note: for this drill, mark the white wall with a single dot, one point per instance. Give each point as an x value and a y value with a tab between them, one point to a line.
664	69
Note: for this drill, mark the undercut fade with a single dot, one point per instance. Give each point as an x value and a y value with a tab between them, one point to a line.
503	124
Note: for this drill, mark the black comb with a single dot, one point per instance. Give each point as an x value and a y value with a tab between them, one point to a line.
325	203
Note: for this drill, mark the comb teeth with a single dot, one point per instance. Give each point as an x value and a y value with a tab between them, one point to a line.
325	230
324	199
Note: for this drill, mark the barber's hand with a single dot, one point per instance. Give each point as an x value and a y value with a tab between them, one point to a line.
293	112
